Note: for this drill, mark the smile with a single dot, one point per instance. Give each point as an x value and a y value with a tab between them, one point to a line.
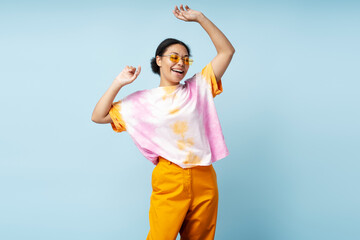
177	71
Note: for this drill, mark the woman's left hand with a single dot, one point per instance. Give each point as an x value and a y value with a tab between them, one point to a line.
187	14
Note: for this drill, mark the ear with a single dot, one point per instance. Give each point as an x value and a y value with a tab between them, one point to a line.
158	61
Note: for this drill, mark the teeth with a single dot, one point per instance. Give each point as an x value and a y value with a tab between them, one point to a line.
179	71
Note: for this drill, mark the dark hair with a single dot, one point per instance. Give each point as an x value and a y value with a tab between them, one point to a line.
162	48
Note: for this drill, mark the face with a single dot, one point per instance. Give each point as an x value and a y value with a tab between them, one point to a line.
172	73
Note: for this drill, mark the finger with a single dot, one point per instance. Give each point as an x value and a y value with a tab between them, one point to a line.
187	7
177	9
178	15
131	69
136	74
180	10
181	17
138	70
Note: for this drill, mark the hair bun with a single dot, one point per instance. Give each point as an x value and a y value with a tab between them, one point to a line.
154	67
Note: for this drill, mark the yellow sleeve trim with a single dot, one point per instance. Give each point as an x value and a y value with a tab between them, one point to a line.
216	85
118	124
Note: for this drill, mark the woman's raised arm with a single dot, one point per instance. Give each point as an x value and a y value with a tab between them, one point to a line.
101	110
224	49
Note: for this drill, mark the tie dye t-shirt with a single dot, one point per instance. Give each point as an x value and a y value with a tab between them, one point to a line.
178	123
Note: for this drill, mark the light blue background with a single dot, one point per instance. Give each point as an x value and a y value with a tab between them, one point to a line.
289	112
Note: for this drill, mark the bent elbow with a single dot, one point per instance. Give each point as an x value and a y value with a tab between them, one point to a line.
100	120
232	51
94	119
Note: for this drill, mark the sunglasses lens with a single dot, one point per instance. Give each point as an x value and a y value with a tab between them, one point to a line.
174	58
188	61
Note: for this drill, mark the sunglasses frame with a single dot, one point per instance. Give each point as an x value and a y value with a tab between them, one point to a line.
188	62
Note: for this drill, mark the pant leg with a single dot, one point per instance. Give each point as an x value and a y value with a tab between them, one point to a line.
200	221
169	202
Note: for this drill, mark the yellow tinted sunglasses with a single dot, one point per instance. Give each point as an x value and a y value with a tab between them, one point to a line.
176	58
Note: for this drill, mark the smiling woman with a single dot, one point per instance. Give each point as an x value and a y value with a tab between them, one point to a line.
160	51
172	71
171	61
176	127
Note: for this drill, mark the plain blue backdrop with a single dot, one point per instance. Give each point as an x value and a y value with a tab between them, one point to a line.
289	112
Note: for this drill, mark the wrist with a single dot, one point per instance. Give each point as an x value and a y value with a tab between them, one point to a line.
117	83
201	18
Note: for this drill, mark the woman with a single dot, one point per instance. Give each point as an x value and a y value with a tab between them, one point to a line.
176	127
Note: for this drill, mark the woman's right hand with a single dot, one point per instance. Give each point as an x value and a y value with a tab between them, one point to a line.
128	75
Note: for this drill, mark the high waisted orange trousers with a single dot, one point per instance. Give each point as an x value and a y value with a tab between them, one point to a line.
183	201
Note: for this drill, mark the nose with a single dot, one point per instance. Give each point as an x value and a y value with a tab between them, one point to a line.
181	60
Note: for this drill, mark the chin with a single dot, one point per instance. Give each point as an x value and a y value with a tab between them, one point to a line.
177	80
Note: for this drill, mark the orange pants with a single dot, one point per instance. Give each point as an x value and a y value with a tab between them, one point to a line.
183	200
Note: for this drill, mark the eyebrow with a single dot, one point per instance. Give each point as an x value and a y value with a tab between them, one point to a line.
179	54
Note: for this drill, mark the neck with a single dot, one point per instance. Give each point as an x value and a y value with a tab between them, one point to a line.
166	83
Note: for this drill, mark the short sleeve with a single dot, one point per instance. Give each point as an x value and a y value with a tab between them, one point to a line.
118	124
208	74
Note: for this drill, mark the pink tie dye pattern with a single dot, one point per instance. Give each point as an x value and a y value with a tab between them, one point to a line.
190	135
